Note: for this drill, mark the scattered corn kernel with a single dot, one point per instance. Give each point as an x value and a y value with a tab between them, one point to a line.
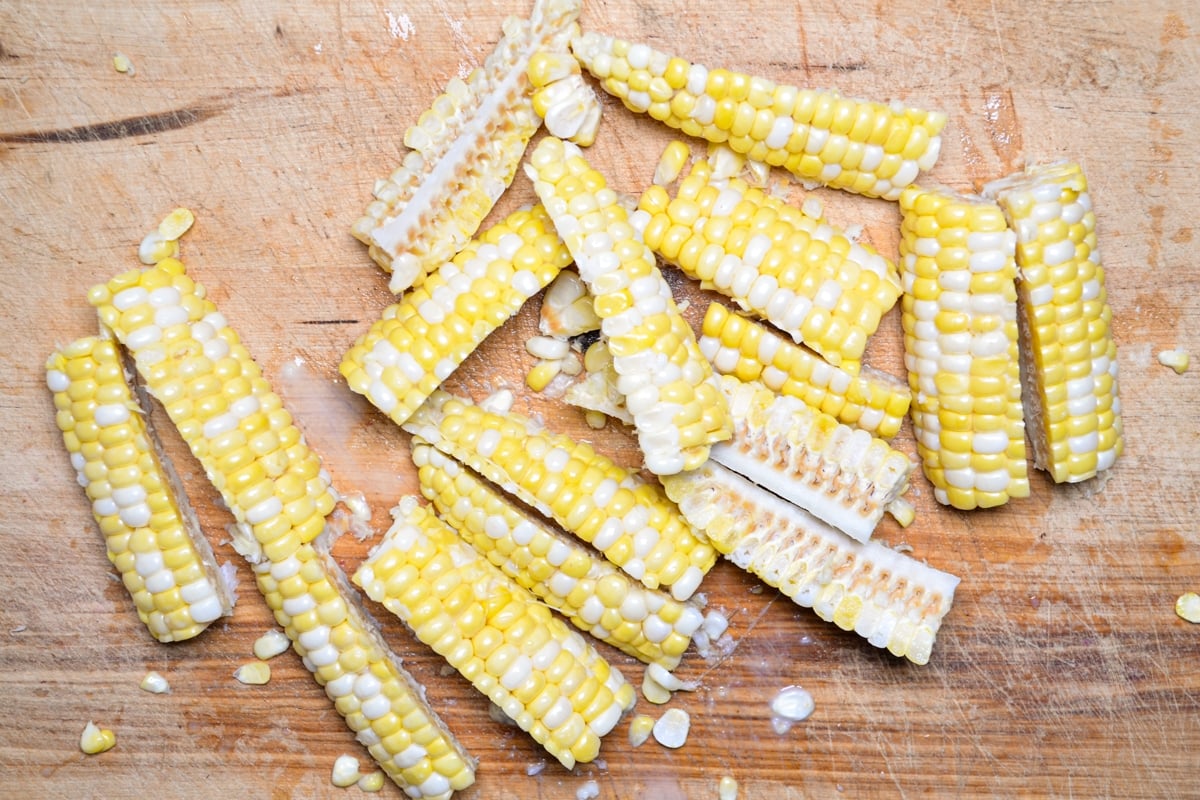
671	163
542	373
176	224
96	740
654	691
589	791
1175	359
639	729
727	788
672	728
793	704
547	348
256	673
1188	607
155	683
122	64
271	644
667	680
371	782
595	419
345	771
154	248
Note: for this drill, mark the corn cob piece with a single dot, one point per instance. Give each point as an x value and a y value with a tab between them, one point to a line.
195	364
887	598
152	536
872	401
1069	376
464	153
568	106
959	313
420	340
542	674
841	475
623	516
787	266
561	572
668	386
379	700
567	308
860	146
236	426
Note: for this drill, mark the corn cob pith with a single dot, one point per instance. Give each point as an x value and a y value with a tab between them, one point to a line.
464	152
959	314
1069	360
787	266
860	146
668	386
841	475
741	347
152	536
626	518
542	674
420	340
562	572
889	599
236	426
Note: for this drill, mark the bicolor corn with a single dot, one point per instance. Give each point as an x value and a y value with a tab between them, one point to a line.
857	145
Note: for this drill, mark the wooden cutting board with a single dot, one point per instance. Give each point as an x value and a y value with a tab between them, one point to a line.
1061	671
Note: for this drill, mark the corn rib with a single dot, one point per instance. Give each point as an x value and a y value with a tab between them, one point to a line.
464	153
887	598
152	535
541	674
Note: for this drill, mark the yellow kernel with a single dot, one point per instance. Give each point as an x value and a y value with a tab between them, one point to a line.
96	740
639	729
371	782
256	673
1175	359
122	64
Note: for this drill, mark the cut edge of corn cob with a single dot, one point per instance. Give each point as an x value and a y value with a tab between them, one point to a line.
860	146
959	314
569	577
889	599
625	517
422	339
465	150
542	674
151	532
1068	357
839	474
668	386
736	345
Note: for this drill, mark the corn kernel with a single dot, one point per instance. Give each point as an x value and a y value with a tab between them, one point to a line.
1175	359
271	644
255	673
345	771
672	728
639	729
1187	606
154	683
95	740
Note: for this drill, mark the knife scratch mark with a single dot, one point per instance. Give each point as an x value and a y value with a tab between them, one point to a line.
144	125
328	322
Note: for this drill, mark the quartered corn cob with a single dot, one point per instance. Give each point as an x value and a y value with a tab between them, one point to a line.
542	674
777	261
196	366
464	152
422	339
667	384
1069	376
153	538
841	475
379	700
559	570
236	426
626	518
889	599
960	347
747	350
864	147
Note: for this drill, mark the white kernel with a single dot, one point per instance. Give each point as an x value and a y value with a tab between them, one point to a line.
154	683
793	704
111	414
376	707
672	728
588	791
1187	606
345	771
727	788
57	381
161	581
371	782
143	337
264	510
1175	359
547	347
410	756
271	644
95	740
128	298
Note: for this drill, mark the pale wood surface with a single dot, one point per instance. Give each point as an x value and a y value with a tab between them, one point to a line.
1062	670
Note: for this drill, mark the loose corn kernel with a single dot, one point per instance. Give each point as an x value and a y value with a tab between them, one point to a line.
666	382
959	313
567	308
672	161
543	675
345	771
542	373
95	740
793	704
860	146
176	224
154	683
254	673
727	788
595	419
639	729
672	728
654	691
1175	359
122	63
271	644
889	599
783	264
371	782
1187	606
1070	381
465	150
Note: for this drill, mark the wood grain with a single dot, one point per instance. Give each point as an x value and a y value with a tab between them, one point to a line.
1062	670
